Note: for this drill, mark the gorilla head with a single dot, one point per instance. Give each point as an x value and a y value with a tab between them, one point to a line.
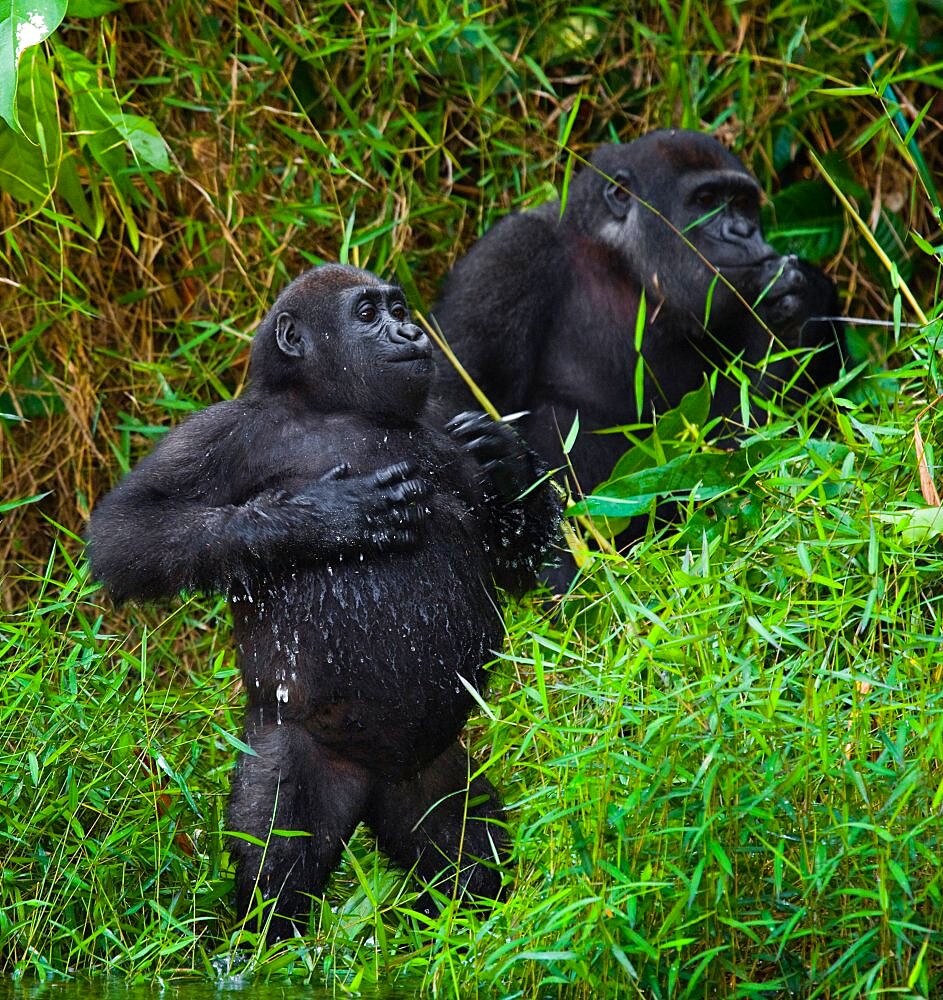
344	339
680	209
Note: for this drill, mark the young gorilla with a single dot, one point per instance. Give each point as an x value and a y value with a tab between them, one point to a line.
359	546
543	310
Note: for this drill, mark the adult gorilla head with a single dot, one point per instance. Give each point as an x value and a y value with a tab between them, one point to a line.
680	209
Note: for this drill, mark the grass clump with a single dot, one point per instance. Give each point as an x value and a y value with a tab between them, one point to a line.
722	755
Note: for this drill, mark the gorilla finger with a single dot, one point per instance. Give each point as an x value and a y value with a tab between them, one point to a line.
338	472
404	538
397	472
469	422
468	419
493	447
389	540
410	491
411	515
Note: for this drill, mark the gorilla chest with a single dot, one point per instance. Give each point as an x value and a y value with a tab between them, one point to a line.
587	360
304	450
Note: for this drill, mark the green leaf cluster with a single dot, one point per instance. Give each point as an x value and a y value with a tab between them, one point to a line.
42	160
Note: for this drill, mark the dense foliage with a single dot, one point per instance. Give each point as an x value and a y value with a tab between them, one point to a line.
722	754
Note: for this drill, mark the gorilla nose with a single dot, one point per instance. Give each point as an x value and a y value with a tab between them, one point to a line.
410	332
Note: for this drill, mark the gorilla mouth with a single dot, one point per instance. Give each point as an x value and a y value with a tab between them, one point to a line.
413	357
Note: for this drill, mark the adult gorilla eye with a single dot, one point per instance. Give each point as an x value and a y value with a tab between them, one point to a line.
399	312
366	313
744	205
706	199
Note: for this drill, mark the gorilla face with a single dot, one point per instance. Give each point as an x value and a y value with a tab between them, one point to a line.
683	211
348	342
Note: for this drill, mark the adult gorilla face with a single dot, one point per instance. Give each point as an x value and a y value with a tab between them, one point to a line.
342	336
683	211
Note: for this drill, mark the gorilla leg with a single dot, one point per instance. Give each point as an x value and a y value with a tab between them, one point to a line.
443	825
302	802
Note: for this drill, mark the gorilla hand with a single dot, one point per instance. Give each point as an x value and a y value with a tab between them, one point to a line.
501	453
795	292
380	511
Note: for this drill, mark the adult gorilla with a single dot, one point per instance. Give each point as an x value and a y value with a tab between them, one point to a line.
543	311
359	545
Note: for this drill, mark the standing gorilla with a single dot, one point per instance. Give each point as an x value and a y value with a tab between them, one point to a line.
543	310
359	546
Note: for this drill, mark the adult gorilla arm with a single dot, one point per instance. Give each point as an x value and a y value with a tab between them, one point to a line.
496	306
174	523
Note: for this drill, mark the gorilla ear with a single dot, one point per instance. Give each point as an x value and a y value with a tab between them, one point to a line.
617	193
288	337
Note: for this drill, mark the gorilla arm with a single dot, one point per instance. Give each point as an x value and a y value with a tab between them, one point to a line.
497	304
519	511
161	530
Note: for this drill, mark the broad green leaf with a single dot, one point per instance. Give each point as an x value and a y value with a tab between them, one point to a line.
921	524
26	23
671	434
94	110
92	8
29	156
699	476
145	141
105	129
69	186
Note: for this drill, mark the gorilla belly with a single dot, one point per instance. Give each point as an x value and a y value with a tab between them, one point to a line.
374	670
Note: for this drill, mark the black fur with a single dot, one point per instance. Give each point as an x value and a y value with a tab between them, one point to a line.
542	311
359	544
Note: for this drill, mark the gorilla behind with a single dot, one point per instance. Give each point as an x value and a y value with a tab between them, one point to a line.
543	310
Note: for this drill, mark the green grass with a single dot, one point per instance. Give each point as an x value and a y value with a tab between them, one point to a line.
722	756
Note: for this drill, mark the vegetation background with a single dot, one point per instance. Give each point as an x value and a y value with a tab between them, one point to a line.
723	757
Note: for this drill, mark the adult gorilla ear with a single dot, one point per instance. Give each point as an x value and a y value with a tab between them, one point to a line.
618	193
288	336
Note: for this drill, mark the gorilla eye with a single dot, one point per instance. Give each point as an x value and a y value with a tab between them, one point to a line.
706	199
399	312
367	313
743	205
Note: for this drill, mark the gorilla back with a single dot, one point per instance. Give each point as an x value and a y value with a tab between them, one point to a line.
359	544
543	310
